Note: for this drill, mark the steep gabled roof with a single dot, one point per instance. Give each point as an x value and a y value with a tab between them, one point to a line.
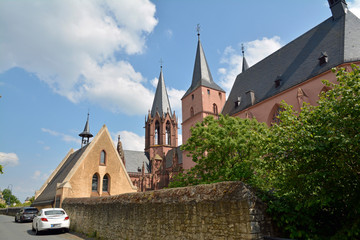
161	102
68	167
201	74
298	61
48	194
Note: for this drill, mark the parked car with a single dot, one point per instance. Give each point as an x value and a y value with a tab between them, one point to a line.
26	214
50	219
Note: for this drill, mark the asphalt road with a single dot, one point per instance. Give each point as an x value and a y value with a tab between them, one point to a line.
10	230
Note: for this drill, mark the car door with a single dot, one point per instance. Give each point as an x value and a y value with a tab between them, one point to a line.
36	218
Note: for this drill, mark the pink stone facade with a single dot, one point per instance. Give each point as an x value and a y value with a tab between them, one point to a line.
308	91
203	101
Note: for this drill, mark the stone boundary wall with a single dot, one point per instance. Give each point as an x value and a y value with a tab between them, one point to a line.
227	210
9	211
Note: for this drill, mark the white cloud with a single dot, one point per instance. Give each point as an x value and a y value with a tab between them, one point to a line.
38	175
354	7
71	44
64	137
154	82
175	96
10	159
169	33
130	140
254	51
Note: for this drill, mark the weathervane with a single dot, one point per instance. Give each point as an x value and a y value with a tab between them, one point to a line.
242	49
161	62
198	30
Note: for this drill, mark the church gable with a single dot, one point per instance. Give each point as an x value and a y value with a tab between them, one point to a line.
101	172
73	177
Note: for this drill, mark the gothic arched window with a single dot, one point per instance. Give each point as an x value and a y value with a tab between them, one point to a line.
157	133
95	183
215	109
105	183
275	114
102	157
168	133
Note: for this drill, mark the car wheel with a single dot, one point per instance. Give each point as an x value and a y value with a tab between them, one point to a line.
15	219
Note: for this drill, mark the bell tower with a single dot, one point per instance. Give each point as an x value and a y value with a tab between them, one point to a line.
161	130
203	98
86	135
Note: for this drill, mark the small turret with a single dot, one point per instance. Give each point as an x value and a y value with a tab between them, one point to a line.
120	150
245	65
86	135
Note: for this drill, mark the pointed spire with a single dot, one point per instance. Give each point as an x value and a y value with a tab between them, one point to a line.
161	102
120	150
245	65
201	74
86	135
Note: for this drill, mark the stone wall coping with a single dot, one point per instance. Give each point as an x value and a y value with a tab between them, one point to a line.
222	191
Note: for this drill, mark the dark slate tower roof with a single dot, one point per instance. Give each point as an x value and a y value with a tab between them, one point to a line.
337	39
245	65
86	132
86	135
201	75
161	102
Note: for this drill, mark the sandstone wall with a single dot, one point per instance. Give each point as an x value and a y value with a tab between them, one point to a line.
227	210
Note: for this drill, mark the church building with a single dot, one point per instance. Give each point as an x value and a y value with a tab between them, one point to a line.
294	73
96	169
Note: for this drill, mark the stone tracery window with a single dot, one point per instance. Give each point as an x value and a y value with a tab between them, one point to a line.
105	183
168	133
215	109
157	133
95	183
276	113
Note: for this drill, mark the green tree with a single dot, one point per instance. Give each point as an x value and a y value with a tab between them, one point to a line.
313	164
224	149
6	193
1	169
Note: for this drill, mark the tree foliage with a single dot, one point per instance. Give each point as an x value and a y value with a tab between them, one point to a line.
6	193
223	149
313	164
307	165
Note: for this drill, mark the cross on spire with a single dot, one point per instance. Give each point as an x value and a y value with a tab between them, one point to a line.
198	30
161	63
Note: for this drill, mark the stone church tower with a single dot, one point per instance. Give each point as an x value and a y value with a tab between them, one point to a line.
203	98
161	134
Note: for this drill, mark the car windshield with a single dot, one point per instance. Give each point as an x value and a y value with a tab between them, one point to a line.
30	210
54	212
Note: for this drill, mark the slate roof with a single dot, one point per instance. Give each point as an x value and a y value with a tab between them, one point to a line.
48	194
170	154
161	102
298	61
135	160
201	74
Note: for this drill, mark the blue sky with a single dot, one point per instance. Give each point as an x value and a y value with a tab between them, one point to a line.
60	59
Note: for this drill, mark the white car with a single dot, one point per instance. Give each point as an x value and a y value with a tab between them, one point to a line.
51	218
